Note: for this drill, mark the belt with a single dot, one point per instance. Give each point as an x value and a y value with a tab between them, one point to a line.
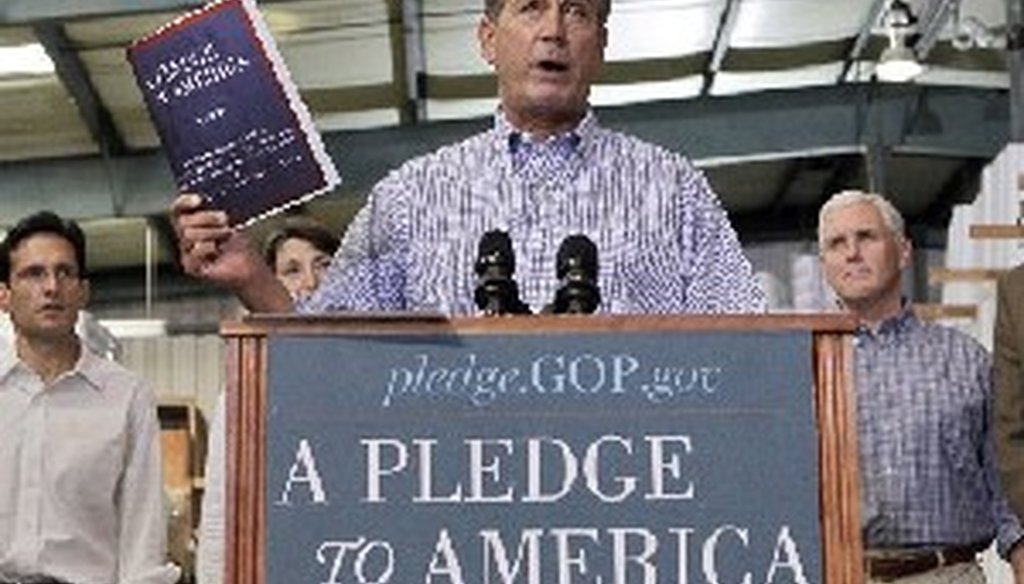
887	565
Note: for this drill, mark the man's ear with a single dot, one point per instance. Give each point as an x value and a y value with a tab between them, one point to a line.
5	297
86	293
906	251
485	32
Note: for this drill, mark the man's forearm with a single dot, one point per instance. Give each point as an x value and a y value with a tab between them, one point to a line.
264	293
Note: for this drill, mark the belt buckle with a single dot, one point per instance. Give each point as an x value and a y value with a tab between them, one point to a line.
901	564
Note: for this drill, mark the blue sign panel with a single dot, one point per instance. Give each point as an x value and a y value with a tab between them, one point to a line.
601	458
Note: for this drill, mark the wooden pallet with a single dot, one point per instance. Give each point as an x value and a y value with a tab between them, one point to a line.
933	311
938	276
996	231
1002	230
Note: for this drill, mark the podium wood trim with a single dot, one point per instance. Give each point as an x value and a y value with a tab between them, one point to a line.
247	341
430	324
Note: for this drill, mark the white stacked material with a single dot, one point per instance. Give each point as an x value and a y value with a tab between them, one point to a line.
999	202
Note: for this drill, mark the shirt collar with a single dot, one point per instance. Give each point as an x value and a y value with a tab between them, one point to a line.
575	138
89	365
901	322
92	367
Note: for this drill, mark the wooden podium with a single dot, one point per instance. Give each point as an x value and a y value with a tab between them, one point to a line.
832	413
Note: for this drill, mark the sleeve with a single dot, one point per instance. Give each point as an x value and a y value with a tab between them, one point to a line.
1008	415
142	533
721	279
1008	526
212	519
369	269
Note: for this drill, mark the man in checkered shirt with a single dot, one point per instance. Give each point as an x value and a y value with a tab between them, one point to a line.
545	170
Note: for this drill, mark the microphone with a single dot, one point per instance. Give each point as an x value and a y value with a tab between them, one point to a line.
496	292
576	268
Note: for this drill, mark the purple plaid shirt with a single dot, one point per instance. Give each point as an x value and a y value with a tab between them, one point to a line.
664	242
924	406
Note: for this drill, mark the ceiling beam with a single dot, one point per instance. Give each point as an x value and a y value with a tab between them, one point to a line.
415	58
409	62
75	78
931	22
719	130
863	36
723	36
761	59
27	12
1015	65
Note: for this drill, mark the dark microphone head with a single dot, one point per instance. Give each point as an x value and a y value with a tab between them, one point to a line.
495	251
577	254
576	268
496	291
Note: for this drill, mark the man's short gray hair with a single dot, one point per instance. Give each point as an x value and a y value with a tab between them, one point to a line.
890	215
492	8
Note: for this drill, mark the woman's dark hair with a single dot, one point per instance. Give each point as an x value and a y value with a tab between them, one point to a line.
299	228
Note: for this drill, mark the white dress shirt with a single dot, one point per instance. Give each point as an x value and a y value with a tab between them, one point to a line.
213	516
81	492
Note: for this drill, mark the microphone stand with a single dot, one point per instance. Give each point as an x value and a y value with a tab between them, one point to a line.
496	295
577	295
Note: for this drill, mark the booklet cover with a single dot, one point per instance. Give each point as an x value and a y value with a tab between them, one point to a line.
228	114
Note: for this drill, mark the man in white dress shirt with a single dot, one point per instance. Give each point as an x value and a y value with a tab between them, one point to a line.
81	495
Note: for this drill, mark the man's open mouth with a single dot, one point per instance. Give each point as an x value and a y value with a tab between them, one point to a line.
551	66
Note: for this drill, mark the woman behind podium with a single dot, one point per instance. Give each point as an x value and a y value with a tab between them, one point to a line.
298	253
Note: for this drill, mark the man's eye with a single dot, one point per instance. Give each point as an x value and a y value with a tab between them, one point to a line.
529	6
577	9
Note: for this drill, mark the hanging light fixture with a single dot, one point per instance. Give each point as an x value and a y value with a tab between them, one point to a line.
898	63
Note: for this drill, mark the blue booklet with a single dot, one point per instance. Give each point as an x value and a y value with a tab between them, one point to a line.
228	114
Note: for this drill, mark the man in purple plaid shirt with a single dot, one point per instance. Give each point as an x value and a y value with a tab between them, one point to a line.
545	170
930	496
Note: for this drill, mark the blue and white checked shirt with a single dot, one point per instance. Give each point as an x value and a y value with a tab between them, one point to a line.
664	242
924	407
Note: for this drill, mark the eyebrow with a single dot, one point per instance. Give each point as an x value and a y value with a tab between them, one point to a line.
859	232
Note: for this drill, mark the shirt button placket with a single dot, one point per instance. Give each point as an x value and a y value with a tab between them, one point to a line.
32	469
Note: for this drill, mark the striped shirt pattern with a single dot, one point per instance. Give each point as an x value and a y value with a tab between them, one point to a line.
664	242
924	401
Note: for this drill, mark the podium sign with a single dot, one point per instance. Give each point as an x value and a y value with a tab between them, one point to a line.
634	456
643	457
